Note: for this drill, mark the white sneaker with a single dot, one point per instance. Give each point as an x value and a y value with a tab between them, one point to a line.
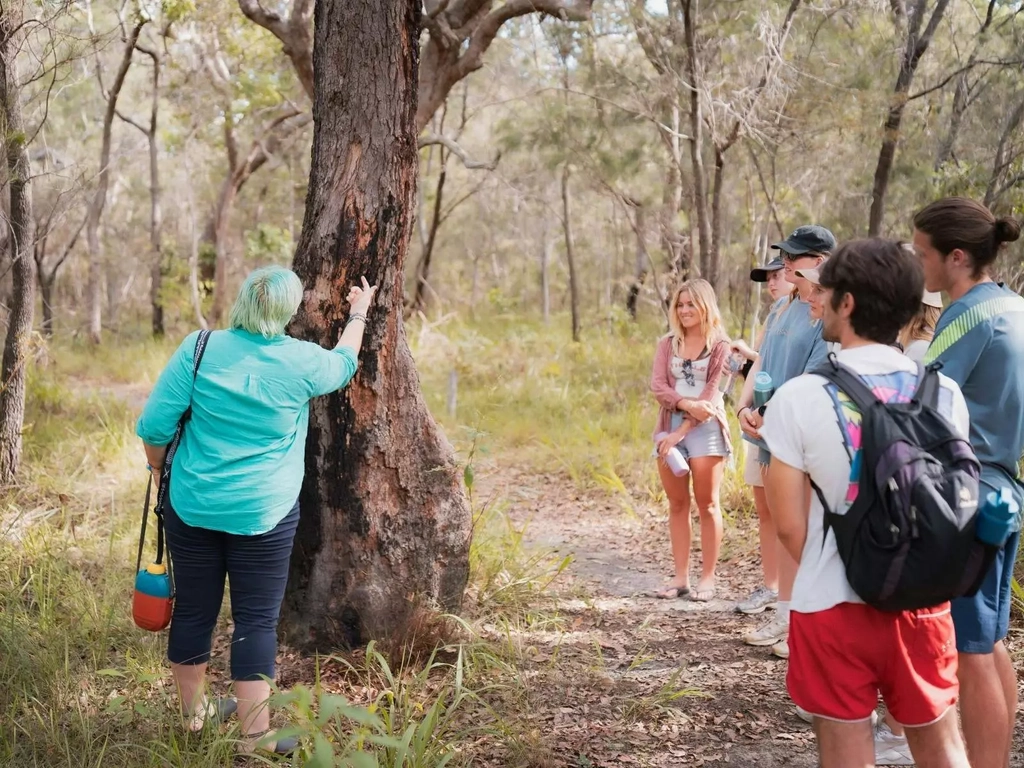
769	634
891	749
896	755
758	600
781	649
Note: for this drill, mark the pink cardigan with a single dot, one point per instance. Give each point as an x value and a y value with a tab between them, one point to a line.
664	390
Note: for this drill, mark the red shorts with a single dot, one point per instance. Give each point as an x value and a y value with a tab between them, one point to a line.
841	658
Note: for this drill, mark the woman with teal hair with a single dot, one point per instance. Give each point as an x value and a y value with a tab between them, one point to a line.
231	508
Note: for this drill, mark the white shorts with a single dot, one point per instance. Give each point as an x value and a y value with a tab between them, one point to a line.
751	466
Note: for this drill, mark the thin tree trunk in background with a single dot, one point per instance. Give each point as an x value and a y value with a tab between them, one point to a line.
545	278
194	240
916	45
155	211
640	264
99	200
962	94
276	135
714	252
19	327
1000	163
700	198
419	300
385	526
570	252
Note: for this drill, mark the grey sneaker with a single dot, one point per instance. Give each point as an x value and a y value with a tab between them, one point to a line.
760	599
893	755
769	634
891	749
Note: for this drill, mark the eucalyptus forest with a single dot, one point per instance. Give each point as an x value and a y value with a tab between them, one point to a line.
525	182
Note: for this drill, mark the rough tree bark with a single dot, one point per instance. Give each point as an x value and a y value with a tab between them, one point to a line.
99	200
19	328
915	46
385	523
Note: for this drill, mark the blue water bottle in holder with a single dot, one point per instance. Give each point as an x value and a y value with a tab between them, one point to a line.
996	518
763	389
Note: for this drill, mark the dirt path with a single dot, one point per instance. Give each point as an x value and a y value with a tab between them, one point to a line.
608	685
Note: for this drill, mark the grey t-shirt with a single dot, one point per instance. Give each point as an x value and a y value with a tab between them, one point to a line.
792	344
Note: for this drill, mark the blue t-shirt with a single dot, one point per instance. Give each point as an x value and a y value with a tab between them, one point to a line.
979	340
240	464
792	344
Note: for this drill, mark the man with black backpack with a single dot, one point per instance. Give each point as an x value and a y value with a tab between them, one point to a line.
875	448
979	342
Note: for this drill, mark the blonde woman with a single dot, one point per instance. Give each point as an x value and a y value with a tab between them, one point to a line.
688	365
917	334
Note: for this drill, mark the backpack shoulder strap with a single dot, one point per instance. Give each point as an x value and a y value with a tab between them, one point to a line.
928	386
849	382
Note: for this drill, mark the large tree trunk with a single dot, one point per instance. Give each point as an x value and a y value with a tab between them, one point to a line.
19	328
94	296
385	524
570	252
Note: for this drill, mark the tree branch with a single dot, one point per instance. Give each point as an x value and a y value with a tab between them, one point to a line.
125	118
429	139
295	34
967	67
487	30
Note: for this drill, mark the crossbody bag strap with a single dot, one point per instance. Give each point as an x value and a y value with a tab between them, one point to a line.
145	519
165	476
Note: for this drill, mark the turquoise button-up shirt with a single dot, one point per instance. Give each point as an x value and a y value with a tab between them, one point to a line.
240	464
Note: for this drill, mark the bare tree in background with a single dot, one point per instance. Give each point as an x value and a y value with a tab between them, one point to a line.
99	201
917	36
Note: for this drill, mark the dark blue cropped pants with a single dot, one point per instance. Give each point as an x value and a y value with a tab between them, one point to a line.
257	571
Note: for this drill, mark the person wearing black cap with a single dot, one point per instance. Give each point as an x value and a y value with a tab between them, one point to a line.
792	345
765	595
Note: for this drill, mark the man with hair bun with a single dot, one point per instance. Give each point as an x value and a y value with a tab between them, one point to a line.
979	341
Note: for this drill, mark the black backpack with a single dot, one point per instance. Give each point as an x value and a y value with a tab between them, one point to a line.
908	539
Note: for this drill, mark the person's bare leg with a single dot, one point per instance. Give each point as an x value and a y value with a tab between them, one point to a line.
984	710
1008	678
707	472
189	680
938	745
844	745
787	565
768	538
678	491
253	709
